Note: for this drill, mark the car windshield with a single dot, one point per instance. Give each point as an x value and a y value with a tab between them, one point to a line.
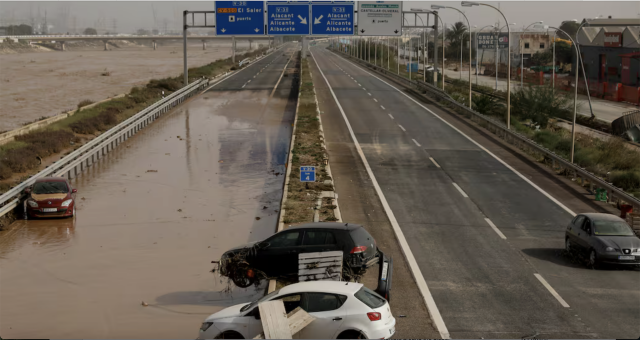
612	228
256	302
50	188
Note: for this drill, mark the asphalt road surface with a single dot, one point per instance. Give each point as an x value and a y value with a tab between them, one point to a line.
152	215
486	241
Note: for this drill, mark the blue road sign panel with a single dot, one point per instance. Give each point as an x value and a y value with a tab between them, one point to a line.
239	17
288	18
332	18
307	174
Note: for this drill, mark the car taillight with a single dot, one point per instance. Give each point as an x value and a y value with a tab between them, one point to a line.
360	249
374	316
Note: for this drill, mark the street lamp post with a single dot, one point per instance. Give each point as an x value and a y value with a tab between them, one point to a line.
522	53
584	75
471	3
575	96
468	28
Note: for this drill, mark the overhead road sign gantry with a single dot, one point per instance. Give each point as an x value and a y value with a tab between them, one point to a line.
288	18
380	18
337	18
239	17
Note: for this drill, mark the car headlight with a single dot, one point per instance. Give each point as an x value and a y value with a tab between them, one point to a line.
609	249
32	203
205	326
66	203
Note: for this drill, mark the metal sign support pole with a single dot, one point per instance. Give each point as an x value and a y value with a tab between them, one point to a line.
184	48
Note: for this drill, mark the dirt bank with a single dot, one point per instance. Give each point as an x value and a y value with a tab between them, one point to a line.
33	85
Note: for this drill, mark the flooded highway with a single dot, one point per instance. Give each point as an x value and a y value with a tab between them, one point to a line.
152	215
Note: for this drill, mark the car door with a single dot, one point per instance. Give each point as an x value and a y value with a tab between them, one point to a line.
573	228
278	255
584	234
329	313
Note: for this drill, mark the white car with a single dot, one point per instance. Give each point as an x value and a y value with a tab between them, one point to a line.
343	310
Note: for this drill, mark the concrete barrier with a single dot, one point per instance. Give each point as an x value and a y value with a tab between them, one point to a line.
9	136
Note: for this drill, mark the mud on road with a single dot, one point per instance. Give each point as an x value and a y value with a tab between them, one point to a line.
150	218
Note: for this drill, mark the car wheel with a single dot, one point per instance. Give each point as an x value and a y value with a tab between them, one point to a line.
568	246
351	335
593	258
229	335
243	277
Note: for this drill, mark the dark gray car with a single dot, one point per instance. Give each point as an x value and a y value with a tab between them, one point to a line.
604	238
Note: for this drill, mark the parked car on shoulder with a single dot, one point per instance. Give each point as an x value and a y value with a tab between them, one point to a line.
341	311
50	197
604	238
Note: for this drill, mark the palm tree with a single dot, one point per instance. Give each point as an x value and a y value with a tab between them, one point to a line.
457	36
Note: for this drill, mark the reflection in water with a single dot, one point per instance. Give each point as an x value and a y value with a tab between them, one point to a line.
51	234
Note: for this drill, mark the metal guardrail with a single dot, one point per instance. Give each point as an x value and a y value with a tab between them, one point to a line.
99	146
500	129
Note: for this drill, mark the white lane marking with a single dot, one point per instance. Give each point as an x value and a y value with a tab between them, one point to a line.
411	260
244	85
254	77
391	116
551	290
382	107
434	162
364	89
402	127
248	81
415	141
375	100
358	84
368	93
461	191
495	229
564	207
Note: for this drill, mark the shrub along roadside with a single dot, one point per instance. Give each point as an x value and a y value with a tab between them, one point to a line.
25	152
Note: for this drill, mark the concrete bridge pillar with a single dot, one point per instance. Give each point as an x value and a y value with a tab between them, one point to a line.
250	41
155	45
204	44
105	45
63	46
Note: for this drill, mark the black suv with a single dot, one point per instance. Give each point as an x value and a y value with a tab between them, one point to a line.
277	256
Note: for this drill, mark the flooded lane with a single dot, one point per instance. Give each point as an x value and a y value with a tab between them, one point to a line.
150	218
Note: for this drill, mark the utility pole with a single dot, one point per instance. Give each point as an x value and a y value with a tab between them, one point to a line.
115	26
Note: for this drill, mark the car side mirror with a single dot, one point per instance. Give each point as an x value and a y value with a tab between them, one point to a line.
73	191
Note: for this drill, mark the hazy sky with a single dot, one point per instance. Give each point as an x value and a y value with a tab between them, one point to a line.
129	16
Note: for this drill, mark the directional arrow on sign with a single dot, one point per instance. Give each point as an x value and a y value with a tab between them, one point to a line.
303	20
317	20
362	31
223	30
257	30
396	31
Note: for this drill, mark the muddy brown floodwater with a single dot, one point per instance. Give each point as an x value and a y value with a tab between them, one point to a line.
33	85
150	218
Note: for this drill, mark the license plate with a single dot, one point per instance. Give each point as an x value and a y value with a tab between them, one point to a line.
626	257
385	268
49	209
392	330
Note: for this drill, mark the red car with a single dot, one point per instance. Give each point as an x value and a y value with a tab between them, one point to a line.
51	197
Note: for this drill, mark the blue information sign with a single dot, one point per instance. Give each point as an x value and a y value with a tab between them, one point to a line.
307	174
288	18
239	17
332	18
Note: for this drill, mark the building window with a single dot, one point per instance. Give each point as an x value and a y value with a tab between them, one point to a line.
541	45
526	45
